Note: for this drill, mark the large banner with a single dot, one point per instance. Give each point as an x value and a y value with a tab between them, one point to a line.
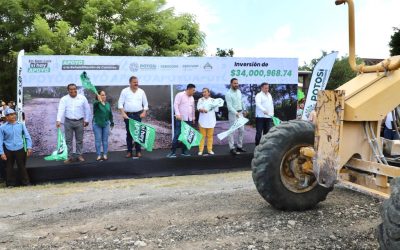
20	89
116	70
45	78
318	82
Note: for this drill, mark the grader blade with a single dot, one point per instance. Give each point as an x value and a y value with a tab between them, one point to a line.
327	136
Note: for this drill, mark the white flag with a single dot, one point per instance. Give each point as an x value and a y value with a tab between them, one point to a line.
215	103
318	82
240	122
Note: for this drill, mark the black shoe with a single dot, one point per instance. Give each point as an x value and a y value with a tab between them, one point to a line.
241	150
234	152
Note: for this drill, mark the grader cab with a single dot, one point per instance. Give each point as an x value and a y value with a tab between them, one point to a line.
297	163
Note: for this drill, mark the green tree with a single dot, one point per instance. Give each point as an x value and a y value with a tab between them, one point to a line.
225	52
92	27
395	42
341	71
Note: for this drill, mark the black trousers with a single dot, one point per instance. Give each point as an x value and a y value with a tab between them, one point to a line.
129	140
18	157
177	132
262	127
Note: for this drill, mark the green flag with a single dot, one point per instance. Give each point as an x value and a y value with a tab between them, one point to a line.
61	153
189	136
143	134
300	94
24	142
276	121
87	84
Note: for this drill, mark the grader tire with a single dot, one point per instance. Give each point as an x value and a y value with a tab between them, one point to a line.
389	229
266	167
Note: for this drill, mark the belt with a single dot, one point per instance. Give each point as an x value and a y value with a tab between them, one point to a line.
134	113
75	120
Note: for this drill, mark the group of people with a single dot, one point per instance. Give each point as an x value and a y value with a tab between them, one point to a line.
3	107
133	104
74	109
184	110
75	113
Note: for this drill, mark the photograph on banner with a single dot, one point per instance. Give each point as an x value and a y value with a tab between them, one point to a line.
284	96
41	104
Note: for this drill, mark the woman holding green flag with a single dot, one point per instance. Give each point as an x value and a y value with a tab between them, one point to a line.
102	121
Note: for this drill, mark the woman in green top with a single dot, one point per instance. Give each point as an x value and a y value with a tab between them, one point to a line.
102	120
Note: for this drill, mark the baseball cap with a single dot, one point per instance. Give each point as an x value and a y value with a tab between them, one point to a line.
9	111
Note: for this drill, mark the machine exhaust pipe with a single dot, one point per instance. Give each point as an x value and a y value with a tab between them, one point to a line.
389	64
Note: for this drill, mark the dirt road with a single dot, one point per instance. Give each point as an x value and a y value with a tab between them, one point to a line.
221	211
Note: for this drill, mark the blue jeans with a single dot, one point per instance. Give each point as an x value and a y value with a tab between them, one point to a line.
177	133
390	134
129	139
101	137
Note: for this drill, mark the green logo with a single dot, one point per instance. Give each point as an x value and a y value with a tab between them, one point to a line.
73	62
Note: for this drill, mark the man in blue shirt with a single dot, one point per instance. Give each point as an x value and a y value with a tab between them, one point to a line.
13	136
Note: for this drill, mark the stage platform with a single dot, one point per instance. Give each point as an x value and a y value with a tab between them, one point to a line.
152	164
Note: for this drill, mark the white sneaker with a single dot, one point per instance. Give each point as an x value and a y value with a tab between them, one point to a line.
200	153
210	152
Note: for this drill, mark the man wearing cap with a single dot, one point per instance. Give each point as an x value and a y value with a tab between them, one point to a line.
15	146
76	111
133	104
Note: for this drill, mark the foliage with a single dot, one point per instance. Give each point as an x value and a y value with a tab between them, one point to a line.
225	52
395	42
341	71
92	27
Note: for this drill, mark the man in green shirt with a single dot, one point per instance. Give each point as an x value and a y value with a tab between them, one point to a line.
236	109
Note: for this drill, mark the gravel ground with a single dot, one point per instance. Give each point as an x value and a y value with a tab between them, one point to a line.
221	211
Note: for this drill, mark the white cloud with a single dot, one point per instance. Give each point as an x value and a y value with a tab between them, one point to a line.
374	22
374	26
205	15
283	44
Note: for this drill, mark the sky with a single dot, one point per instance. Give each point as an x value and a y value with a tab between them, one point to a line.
292	28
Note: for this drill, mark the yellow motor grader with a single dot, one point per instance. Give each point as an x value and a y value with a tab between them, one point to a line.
297	163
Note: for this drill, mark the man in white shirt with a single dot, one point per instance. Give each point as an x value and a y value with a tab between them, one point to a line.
264	111
76	111
133	105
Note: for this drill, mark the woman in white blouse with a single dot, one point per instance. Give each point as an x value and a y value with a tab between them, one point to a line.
207	120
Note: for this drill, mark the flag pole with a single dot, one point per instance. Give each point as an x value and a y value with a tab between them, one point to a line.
20	89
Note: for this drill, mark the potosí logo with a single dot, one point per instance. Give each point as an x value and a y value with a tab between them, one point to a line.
319	82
